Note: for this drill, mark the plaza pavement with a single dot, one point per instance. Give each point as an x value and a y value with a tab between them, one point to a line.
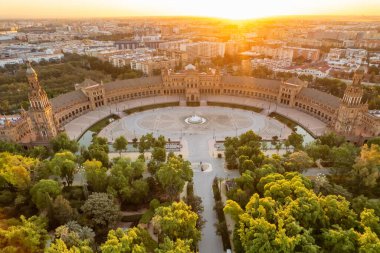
220	122
78	126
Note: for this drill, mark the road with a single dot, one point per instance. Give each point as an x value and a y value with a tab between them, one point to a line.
198	151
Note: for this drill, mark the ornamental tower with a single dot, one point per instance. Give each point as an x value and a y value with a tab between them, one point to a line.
40	112
351	108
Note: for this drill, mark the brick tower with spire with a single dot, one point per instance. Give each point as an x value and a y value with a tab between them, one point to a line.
40	112
351	108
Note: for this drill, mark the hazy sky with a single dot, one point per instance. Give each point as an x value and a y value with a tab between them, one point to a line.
235	9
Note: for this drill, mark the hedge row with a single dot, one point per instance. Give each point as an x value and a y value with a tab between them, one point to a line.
222	225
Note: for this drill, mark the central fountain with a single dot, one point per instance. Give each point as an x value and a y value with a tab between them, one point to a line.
195	120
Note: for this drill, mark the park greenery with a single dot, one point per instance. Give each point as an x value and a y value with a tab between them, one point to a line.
68	198
277	209
80	196
56	78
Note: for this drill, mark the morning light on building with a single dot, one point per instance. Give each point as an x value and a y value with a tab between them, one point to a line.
193	127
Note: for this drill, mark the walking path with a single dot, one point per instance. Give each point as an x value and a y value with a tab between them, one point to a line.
78	126
198	147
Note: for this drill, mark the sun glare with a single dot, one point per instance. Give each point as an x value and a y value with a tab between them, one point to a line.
236	9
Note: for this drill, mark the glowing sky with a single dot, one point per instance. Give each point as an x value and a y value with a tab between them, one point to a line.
234	9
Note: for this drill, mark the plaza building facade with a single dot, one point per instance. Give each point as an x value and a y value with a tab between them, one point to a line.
348	116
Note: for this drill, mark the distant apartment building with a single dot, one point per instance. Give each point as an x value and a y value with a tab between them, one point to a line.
12	61
41	37
125	57
368	43
173	45
179	56
317	72
333	34
284	52
311	54
275	52
204	50
347	60
304	42
133	44
150	64
272	64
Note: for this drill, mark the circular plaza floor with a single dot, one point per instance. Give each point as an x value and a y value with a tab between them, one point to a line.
170	122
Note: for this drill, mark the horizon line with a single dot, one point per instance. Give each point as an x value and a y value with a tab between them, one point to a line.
196	16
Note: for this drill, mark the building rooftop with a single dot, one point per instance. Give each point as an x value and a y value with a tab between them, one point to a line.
68	98
323	97
262	83
296	81
136	82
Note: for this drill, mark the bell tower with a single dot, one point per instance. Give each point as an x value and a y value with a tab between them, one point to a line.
351	108
41	112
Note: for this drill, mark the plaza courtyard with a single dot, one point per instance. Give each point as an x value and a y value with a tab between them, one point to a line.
219	122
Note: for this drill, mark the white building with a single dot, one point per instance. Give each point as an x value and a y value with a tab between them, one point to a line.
203	50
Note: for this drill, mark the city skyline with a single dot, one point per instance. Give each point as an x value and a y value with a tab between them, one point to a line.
241	9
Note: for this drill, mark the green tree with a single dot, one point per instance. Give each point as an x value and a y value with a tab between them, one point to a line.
64	164
178	246
232	208
343	157
374	140
100	211
75	236
96	176
296	140
366	172
39	152
98	150
120	144
59	246
298	161
231	158
318	151
173	175
126	182
146	142
61	211
15	170
133	240
177	221
44	192
160	142
28	235
159	154
331	139
62	142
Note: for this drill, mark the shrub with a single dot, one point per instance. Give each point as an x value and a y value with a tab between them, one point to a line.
131	218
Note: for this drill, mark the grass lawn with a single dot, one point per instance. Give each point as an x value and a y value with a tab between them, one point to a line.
150	107
244	107
98	126
290	123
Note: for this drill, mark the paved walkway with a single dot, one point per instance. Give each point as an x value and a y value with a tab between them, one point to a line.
78	126
199	151
316	126
220	122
